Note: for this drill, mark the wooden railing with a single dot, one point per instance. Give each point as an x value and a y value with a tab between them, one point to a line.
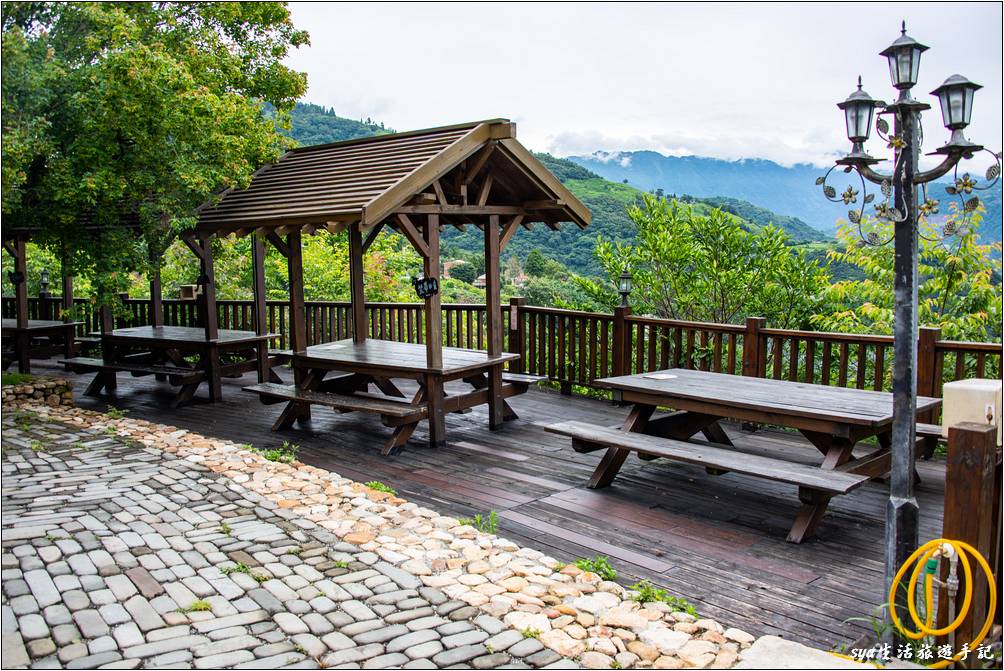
575	348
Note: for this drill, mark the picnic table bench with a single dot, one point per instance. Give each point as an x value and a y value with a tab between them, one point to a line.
833	419
181	355
338	375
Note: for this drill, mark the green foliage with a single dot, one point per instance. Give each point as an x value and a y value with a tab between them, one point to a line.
599	565
957	289
286	454
647	592
226	529
706	267
111	412
487	525
758	217
236	568
530	632
464	272
340	564
317	124
381	487
197	606
139	111
15	378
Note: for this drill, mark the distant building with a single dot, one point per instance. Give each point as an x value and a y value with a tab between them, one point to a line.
480	282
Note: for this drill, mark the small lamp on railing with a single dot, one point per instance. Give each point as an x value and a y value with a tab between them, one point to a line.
624	287
44	281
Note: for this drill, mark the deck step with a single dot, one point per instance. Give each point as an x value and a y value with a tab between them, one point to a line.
345	402
929	431
712	456
178	375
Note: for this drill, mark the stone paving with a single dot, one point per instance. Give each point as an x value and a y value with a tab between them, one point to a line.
128	544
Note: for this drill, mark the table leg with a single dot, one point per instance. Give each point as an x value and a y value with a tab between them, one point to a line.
496	404
480	381
437	414
308	380
22	346
612	461
263	364
403	433
385	385
814	505
214	374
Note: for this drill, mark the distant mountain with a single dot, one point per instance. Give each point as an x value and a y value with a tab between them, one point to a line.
317	124
787	191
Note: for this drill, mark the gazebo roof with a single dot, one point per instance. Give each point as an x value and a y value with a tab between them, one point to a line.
367	179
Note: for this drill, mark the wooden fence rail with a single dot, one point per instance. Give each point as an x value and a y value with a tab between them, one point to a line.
575	348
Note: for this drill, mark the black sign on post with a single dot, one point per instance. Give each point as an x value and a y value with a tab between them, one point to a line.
425	286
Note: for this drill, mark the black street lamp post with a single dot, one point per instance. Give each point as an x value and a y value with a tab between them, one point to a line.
900	207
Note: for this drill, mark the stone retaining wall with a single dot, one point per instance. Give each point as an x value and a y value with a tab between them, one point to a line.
53	391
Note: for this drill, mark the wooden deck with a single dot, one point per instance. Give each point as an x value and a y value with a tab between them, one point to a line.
719	541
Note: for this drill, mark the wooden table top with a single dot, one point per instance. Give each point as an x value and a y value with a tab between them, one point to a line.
397	357
182	334
772	397
10	325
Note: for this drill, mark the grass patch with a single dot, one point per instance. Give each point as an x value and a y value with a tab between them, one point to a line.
487	525
283	455
295	551
381	487
226	529
197	606
236	568
647	592
260	577
338	563
23	419
530	632
115	413
599	565
15	378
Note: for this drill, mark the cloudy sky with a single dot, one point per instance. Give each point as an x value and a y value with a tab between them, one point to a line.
724	80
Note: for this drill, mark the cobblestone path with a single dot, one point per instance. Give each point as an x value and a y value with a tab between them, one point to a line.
120	556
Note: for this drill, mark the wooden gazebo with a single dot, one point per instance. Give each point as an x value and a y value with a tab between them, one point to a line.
42	337
473	174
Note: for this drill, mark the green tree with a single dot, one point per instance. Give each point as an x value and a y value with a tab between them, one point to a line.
136	113
536	263
957	289
706	267
464	272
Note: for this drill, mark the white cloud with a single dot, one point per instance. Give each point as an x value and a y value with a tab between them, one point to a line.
724	80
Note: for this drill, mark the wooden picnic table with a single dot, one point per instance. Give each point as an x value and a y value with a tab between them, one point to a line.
357	365
21	345
833	419
167	352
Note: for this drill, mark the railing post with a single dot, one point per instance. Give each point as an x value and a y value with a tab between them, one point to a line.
753	362
972	502
927	366
622	342
516	341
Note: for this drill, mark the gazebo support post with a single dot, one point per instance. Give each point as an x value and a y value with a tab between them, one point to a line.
66	304
297	316
210	317
19	250
260	305
493	306
357	289
434	338
156	291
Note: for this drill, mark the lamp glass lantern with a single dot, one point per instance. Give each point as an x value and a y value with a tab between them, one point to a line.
903	57
624	287
44	280
956	98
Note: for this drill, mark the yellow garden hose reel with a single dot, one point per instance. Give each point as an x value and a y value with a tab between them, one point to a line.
926	561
